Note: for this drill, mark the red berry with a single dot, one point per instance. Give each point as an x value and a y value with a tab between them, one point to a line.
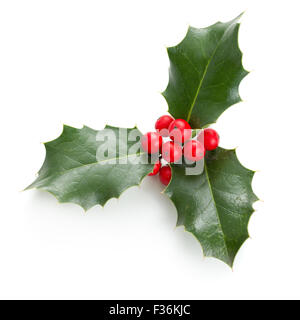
156	169
194	150
151	142
211	139
162	125
171	152
165	175
180	131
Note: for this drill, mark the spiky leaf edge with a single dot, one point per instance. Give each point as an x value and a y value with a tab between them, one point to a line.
251	213
31	186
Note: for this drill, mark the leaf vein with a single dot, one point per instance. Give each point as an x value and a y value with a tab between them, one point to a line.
202	79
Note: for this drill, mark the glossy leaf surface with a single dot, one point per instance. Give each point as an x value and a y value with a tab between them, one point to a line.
73	172
205	73
215	206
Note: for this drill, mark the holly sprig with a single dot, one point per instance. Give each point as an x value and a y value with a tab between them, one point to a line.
209	187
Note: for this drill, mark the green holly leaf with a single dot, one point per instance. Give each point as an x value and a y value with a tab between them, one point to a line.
76	171
216	205
205	73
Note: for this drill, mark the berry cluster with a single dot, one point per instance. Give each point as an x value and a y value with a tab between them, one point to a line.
178	145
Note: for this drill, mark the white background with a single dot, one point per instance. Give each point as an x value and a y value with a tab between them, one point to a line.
98	62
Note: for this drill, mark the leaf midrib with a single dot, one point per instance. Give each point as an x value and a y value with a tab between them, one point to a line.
216	207
203	77
59	174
